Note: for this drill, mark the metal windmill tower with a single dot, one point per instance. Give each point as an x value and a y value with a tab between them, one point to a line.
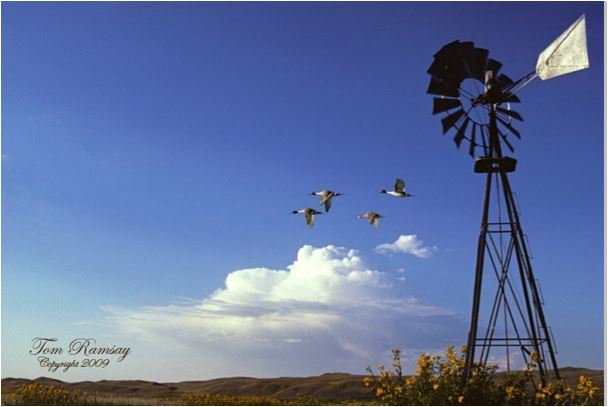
476	100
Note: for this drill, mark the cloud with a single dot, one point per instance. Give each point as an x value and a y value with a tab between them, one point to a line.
327	311
514	358
407	244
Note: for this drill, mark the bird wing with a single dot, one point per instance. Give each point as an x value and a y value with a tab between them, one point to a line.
327	204
326	195
375	220
326	199
399	185
308	216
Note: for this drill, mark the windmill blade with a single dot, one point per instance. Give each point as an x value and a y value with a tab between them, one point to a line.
450	52
494	66
473	142
441	104
460	133
463	65
504	80
512	99
568	53
451	62
478	62
465	68
466	47
443	66
437	68
508	86
450	120
509	127
504	138
510	113
439	87
445	47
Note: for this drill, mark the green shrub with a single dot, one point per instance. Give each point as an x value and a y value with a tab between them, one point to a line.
439	381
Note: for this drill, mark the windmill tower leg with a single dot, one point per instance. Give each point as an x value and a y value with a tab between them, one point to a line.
526	272
481	250
525	325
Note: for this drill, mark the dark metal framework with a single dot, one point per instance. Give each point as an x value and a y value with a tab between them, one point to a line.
516	320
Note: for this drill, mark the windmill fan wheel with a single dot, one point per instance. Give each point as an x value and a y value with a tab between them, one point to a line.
467	83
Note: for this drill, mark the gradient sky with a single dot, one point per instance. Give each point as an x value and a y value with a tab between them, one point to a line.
152	153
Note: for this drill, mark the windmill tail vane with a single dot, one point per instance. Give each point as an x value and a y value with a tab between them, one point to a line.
566	54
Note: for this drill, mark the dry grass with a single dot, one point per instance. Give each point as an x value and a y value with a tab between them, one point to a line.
328	389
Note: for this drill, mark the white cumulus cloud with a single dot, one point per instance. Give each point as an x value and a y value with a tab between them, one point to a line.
327	311
407	244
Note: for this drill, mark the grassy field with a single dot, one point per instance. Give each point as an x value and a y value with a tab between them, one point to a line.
324	389
333	388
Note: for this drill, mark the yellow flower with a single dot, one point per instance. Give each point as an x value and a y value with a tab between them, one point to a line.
460	399
435	386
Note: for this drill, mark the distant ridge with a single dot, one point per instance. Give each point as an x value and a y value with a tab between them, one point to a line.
329	387
335	387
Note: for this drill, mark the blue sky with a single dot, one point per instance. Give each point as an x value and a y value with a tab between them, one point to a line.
152	150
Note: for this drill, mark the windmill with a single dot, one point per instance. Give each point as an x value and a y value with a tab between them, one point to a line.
476	100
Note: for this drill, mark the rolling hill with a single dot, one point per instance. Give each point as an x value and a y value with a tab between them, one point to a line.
329	387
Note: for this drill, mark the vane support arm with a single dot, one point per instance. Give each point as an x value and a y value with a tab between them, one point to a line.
520	83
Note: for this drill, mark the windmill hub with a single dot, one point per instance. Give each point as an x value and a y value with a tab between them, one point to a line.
468	85
494	95
472	101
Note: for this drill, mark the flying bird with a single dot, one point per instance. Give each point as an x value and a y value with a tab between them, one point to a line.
309	214
326	197
399	190
372	217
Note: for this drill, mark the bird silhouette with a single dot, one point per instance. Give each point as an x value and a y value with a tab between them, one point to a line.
399	190
372	217
309	215
326	197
